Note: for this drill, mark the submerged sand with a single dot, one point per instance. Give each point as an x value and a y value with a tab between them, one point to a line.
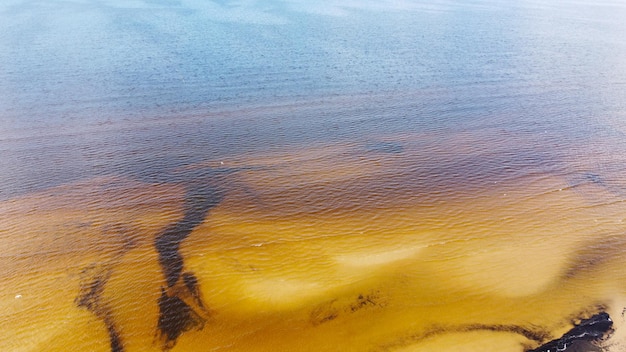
379	247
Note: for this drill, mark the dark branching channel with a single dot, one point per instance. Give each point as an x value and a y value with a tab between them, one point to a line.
180	303
93	281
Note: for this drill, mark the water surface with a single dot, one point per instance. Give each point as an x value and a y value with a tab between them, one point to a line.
280	176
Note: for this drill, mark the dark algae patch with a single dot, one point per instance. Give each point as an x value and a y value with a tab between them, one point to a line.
198	201
175	317
93	281
587	330
180	303
180	306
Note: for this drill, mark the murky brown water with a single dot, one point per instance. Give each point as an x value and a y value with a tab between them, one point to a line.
403	244
418	176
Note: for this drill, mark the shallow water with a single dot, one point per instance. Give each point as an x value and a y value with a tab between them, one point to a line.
279	176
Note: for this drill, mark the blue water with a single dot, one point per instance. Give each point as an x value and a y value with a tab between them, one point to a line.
334	71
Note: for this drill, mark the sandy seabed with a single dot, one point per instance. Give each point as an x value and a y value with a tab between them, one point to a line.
327	248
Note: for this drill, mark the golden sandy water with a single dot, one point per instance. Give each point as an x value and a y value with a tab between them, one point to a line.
400	245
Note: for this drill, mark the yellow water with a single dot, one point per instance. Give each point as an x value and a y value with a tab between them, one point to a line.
329	247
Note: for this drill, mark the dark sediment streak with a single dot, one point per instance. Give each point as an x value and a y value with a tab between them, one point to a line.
532	333
198	201
591	256
176	314
90	297
93	281
180	304
581	336
586	331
